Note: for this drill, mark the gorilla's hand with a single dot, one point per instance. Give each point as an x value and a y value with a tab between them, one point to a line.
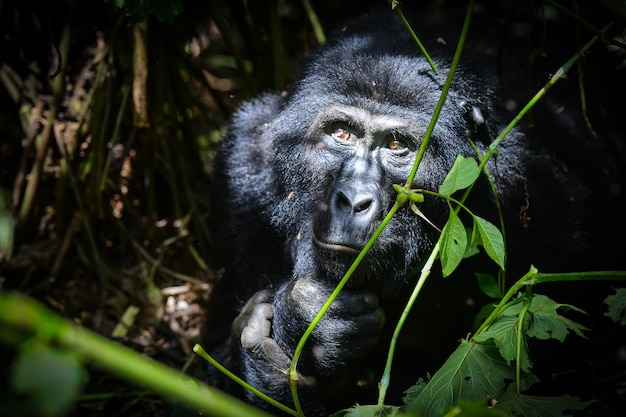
348	331
269	330
253	328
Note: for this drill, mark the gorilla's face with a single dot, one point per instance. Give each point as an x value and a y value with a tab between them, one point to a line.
364	153
353	150
369	151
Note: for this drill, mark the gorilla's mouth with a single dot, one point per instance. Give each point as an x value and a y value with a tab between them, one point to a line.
336	247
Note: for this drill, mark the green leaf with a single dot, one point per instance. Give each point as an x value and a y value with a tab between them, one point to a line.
476	408
546	322
617	306
533	406
368	411
503	333
472	372
473	240
453	243
51	378
414	391
462	174
491	239
488	285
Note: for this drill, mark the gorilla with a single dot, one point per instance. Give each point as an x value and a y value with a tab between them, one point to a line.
303	178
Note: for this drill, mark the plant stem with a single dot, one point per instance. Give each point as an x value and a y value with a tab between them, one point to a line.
386	377
527	279
526	300
200	351
444	94
384	381
23	319
580	276
292	373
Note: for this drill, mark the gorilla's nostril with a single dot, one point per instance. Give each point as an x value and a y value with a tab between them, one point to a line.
362	205
343	202
352	205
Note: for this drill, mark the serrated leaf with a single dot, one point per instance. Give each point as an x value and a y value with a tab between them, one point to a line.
503	333
545	321
453	243
472	372
414	391
462	174
368	411
51	378
533	406
491	239
476	408
488	285
617	306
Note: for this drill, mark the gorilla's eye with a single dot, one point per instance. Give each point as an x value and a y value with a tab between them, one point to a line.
341	131
396	142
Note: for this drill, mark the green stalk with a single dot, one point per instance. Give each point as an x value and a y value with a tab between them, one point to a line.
396	8
292	373
200	351
442	97
580	276
320	37
560	73
23	319
386	377
527	279
384	380
527	299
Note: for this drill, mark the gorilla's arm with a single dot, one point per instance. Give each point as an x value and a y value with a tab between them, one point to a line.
266	333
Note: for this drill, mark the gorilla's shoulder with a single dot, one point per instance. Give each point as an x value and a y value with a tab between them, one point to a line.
253	114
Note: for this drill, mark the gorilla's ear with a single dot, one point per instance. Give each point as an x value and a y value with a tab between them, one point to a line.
475	119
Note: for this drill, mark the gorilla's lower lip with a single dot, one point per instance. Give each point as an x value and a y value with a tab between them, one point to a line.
335	247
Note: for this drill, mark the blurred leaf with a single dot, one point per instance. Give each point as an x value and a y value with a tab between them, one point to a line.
617	306
51	378
488	285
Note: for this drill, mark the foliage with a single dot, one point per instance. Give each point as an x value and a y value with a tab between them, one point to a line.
57	349
55	391
617	306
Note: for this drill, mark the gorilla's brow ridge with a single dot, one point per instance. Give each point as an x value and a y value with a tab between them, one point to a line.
363	120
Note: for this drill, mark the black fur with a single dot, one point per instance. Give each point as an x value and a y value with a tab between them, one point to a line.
282	181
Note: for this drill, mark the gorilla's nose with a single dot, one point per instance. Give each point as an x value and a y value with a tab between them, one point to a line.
354	206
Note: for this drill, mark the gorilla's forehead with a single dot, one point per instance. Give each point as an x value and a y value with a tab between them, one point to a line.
364	118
